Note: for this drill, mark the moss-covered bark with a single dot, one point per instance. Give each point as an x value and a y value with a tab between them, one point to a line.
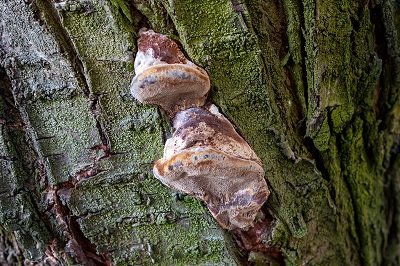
313	86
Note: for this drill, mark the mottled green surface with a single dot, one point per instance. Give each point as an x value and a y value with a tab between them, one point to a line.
341	65
66	130
17	197
313	86
247	87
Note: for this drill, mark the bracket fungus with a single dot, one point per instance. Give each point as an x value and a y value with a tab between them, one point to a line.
165	77
205	157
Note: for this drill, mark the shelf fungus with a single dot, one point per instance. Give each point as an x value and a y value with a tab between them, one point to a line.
165	77
205	157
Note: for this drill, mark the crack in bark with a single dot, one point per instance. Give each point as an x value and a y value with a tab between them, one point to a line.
138	9
393	205
78	246
65	41
353	200
34	161
96	111
388	50
61	35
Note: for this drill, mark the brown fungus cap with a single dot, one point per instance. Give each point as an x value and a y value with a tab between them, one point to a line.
208	159
165	77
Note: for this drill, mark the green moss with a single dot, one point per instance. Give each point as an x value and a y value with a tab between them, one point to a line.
66	130
332	82
248	83
320	132
123	6
340	116
17	209
203	20
157	16
363	182
129	66
294	34
329	74
148	216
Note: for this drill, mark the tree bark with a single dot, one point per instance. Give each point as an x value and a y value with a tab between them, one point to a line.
313	86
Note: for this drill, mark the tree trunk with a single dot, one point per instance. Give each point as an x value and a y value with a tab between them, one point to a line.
313	86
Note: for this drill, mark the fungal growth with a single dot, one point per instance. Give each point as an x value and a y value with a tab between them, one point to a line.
205	157
165	77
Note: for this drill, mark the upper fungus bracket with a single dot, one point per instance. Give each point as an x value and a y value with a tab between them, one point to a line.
205	157
165	77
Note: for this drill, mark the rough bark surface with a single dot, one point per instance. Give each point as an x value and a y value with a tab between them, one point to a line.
313	86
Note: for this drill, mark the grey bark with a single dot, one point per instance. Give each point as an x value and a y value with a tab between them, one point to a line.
313	86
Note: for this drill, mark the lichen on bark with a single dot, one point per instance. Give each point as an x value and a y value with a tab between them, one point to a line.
312	86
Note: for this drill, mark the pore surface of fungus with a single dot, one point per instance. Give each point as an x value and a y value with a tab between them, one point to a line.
205	157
